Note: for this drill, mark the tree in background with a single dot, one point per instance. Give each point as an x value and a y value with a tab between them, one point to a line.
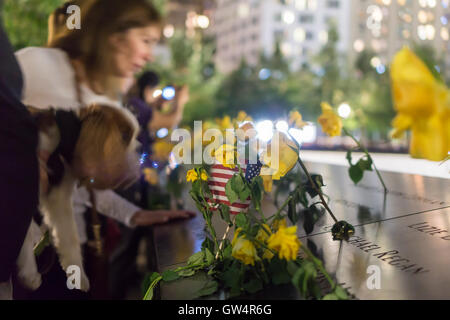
26	21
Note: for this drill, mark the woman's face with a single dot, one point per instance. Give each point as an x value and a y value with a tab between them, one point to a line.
133	49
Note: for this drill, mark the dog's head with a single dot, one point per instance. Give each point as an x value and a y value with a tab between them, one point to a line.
105	153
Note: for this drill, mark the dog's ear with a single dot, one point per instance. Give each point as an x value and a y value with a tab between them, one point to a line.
104	142
45	119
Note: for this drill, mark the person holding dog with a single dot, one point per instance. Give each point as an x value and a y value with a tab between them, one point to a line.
114	43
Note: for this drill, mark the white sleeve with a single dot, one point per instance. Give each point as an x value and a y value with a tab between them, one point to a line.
112	205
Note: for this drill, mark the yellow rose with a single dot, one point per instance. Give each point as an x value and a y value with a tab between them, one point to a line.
226	155
296	118
224	123
267	182
243	116
245	251
279	223
285	242
203	175
287	156
423	106
192	175
246	131
262	235
235	237
331	123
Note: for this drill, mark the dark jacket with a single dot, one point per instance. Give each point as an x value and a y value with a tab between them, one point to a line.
19	171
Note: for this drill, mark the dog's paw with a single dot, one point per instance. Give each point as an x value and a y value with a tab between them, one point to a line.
31	280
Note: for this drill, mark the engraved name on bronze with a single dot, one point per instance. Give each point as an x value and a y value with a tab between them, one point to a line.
403	195
431	230
392	257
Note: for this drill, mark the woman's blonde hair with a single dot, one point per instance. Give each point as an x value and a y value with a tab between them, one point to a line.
99	20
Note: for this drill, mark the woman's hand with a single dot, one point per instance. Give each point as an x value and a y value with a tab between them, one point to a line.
151	217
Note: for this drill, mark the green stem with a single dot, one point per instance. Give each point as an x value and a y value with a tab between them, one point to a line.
368	155
317	189
286	202
151	287
319	266
208	219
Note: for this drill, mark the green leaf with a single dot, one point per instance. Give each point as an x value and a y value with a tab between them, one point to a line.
330	296
253	286
187	272
292	212
227	251
209	288
341	293
170	275
208	244
277	269
237	183
225	214
244	194
356	174
196	258
297	279
241	221
365	165
209	257
231	194
318	179
311	216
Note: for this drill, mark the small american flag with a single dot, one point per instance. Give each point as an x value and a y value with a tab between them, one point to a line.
217	182
220	176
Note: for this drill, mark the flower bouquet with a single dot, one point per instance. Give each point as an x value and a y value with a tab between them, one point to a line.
263	250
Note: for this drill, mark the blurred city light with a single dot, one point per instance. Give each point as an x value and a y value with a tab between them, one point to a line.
168	93
264	130
344	110
282	126
264	74
202	21
161	133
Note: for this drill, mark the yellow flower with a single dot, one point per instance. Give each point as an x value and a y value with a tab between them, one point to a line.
296	118
243	116
203	175
285	242
224	123
245	251
423	106
151	176
331	123
191	175
262	235
267	182
226	155
246	131
162	150
285	151
235	237
279	223
268	255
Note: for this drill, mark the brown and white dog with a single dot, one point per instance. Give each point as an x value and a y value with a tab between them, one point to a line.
95	145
